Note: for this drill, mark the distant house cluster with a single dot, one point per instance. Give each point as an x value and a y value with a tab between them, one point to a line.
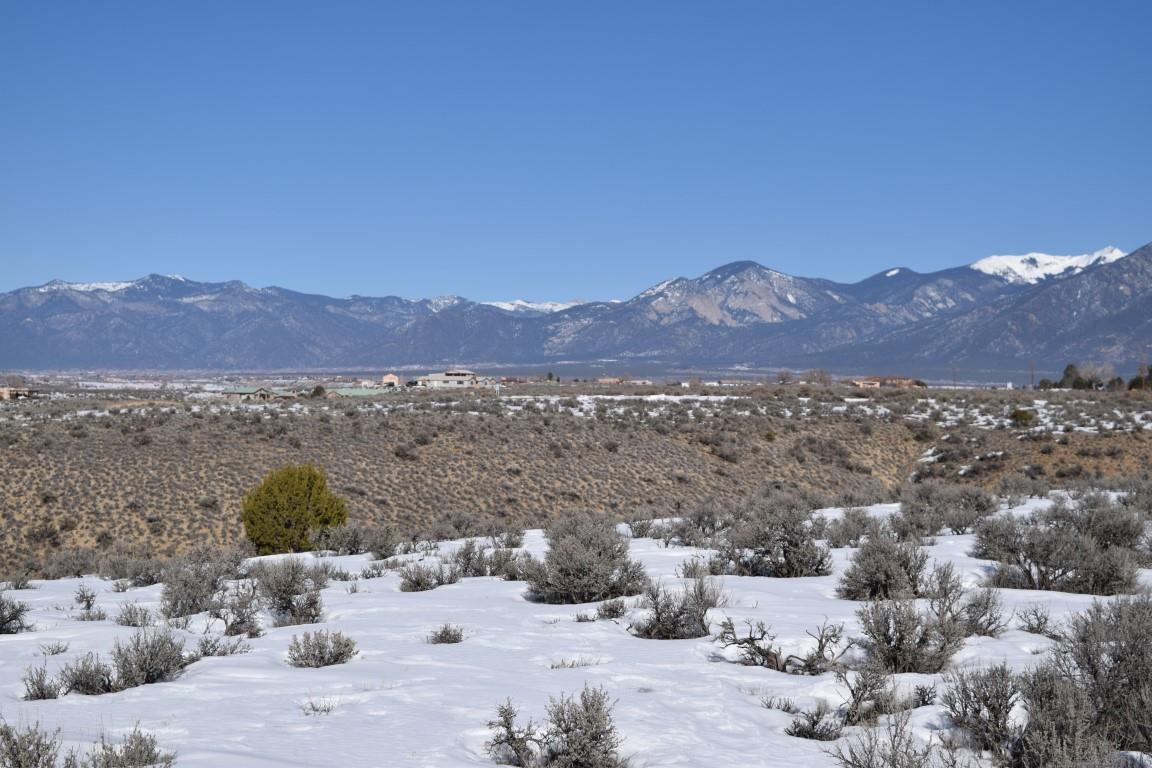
877	382
453	378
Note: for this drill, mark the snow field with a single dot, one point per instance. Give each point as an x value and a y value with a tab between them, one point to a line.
404	702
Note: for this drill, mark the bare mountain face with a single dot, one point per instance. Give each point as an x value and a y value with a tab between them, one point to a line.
1001	313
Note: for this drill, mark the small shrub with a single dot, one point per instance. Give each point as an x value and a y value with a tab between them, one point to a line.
513	744
381	541
1090	548
320	649
28	747
581	733
981	703
448	633
238	607
290	588
12	616
348	539
777	539
902	639
925	508
847	530
134	615
819	724
611	610
1035	619
418	577
137	750
88	676
756	648
38	685
211	645
150	656
54	649
191	581
587	561
896	747
883	568
678	615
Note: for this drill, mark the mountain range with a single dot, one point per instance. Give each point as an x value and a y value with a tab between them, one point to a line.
999	314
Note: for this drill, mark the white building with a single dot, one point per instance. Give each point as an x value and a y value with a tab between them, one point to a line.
457	378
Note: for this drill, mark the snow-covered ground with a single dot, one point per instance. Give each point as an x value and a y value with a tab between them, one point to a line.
404	702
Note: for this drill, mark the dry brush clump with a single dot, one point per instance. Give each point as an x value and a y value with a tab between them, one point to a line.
1083	706
587	561
1094	546
578	732
31	746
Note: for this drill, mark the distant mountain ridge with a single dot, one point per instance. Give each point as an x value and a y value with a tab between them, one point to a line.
1000	313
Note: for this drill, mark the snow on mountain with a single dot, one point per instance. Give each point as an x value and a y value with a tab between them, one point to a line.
540	307
1032	268
441	303
60	285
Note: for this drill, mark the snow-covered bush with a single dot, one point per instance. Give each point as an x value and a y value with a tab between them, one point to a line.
819	724
28	747
894	747
34	747
320	649
1105	649
348	539
680	614
587	561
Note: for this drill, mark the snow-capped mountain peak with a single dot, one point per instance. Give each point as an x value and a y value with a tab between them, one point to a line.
1032	268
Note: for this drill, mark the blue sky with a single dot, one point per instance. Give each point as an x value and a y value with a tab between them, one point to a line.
563	149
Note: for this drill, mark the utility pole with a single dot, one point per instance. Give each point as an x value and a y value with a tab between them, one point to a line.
1032	373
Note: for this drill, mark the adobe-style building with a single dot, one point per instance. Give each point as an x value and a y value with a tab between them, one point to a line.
14	393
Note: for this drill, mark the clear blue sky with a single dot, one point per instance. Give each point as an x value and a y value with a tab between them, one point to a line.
563	149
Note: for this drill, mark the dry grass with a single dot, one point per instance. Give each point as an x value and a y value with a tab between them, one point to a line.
166	477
